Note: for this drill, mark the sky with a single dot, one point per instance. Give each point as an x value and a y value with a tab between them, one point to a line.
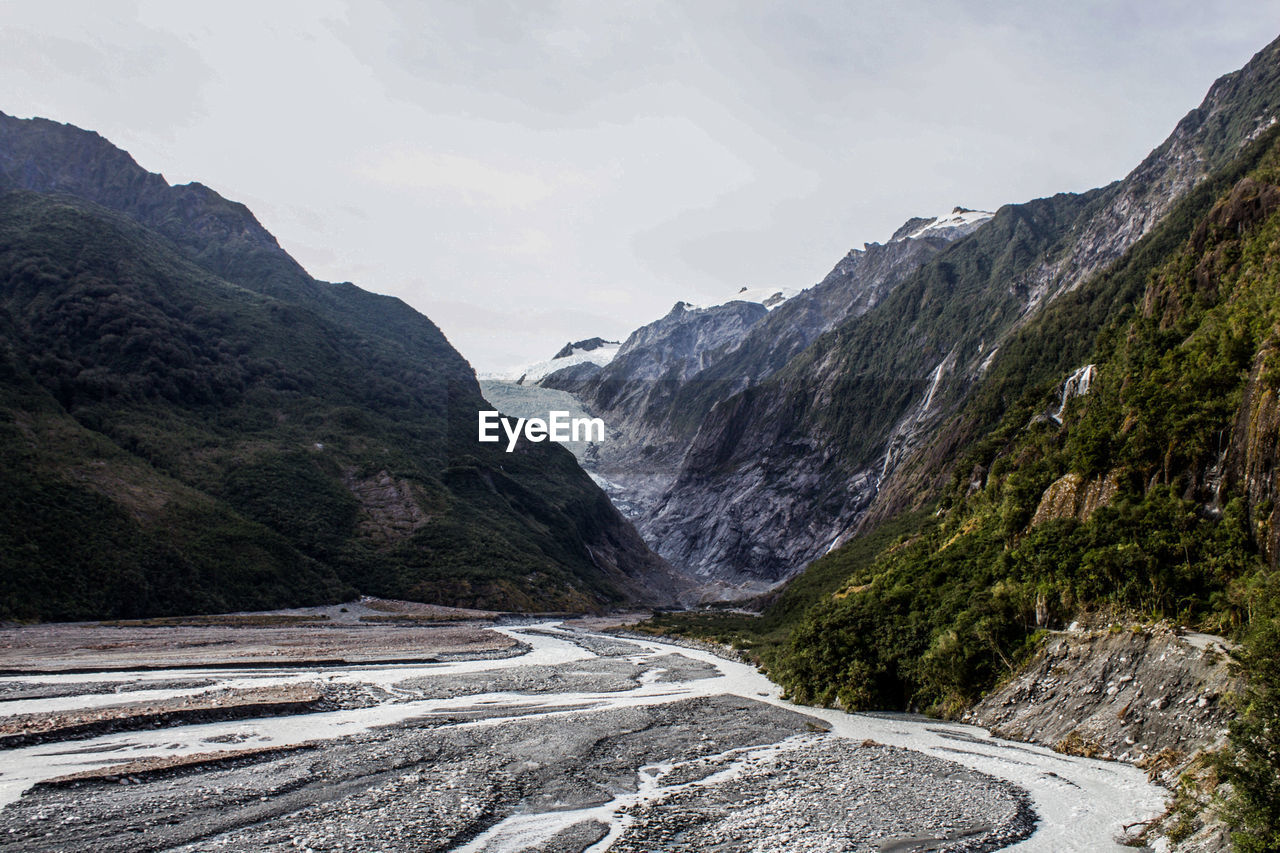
529	173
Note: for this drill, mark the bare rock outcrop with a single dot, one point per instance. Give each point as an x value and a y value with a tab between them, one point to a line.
390	507
1148	695
1071	496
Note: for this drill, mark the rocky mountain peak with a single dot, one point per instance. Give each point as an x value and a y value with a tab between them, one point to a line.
588	345
959	222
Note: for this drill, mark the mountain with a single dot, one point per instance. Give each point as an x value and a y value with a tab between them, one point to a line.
670	373
580	359
1150	492
1072	490
863	423
673	348
589	345
1149	500
191	423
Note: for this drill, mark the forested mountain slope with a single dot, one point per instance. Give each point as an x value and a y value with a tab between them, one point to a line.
191	423
1147	494
862	423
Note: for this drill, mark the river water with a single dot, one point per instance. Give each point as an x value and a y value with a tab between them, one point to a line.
1081	804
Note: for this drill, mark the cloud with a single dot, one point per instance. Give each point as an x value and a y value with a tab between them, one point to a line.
474	181
120	77
571	168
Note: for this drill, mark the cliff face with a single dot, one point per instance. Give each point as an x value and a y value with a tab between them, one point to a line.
789	466
670	350
671	373
1143	694
856	422
854	286
1252	460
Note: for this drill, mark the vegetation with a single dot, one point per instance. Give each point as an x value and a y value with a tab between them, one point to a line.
1137	501
766	634
173	442
1250	763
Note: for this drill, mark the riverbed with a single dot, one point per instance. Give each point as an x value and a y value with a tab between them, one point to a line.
550	738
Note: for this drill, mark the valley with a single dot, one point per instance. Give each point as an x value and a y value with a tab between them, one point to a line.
262	585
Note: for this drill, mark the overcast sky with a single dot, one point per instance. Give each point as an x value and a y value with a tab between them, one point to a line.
527	173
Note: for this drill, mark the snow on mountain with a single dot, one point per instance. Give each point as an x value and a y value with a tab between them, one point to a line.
583	346
959	217
599	356
769	297
600	352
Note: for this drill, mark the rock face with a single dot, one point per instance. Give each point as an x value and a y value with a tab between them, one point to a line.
1145	695
1070	496
786	467
1253	457
671	373
673	349
390	508
642	378
853	426
854	286
582	346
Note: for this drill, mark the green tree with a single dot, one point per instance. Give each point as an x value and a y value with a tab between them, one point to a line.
1252	762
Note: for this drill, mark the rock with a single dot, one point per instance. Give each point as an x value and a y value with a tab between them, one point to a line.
1099	718
1071	497
663	386
744	472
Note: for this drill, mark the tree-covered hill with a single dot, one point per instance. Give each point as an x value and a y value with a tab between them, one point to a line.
190	423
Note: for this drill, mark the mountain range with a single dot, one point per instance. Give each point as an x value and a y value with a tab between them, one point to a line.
751	442
960	443
1060	428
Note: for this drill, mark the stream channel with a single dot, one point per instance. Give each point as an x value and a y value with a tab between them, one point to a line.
585	742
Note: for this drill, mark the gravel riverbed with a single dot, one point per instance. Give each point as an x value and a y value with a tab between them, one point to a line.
585	742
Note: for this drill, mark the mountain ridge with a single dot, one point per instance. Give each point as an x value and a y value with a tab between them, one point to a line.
329	423
656	396
860	404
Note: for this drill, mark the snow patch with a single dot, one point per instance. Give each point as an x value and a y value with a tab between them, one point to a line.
530	373
959	217
769	297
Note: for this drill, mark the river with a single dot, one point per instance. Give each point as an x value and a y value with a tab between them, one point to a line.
584	742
